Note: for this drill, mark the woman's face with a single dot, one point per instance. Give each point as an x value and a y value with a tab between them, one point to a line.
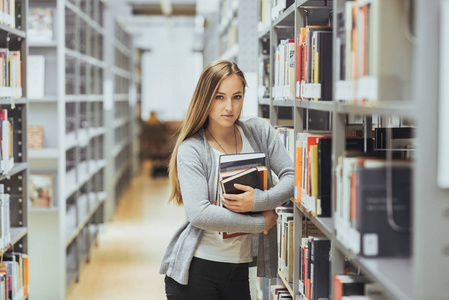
227	103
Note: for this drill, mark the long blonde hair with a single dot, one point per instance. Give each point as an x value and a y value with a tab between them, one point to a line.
197	114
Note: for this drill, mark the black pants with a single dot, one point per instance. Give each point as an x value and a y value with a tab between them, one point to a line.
210	280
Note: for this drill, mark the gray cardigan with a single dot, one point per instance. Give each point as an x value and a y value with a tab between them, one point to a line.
196	162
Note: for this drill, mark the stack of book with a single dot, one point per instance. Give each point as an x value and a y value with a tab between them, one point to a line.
244	168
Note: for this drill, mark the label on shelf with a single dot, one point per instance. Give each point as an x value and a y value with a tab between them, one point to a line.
367	88
311	90
344	90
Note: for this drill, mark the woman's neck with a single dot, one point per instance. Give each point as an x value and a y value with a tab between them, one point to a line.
221	133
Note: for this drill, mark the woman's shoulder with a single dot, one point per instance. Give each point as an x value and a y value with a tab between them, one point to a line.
193	144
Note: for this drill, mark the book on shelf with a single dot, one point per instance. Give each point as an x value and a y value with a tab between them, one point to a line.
35	137
41	190
40	24
372	70
284	226
320	268
7	142
284	70
373	205
383	209
5	218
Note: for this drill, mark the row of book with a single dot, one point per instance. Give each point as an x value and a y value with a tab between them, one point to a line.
368	68
356	287
372	193
8	13
14	276
285	241
314	63
373	205
10	73
5	219
6	142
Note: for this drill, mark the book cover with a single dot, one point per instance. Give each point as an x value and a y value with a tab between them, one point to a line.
248	177
320	268
384	225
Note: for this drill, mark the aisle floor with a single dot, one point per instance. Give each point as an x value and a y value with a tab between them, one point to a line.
126	261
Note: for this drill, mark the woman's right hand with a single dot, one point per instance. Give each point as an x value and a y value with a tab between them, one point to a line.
270	219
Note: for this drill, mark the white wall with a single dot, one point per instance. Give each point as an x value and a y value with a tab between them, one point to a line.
170	70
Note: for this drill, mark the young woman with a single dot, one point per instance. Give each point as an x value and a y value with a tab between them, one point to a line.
199	263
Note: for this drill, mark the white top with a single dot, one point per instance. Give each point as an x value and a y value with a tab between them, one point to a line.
212	246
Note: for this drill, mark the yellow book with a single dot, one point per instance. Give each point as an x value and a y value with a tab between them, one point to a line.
314	175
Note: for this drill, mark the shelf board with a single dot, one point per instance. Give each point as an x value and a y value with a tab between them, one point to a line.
18	167
286	18
317	105
265	32
17	233
121	47
12	101
121	97
285	103
392	108
45	99
122	72
86	58
16	32
286	283
46	44
325	225
394	274
120	122
264	101
48	153
315	3
84	98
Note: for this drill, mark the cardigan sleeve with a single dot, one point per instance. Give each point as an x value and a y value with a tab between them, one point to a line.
200	212
282	165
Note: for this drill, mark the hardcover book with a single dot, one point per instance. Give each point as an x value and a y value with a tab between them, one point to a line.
248	177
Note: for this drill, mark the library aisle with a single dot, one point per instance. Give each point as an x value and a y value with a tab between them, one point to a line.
125	263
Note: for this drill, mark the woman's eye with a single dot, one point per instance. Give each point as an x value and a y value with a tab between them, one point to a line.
238	97
219	97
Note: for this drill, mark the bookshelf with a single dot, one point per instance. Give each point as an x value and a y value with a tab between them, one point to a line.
422	274
82	115
13	41
122	102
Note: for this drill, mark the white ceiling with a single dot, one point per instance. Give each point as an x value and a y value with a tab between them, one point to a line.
139	25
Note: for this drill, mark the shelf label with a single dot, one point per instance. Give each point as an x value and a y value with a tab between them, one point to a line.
443	134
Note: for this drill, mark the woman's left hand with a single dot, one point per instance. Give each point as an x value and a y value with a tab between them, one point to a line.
240	202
